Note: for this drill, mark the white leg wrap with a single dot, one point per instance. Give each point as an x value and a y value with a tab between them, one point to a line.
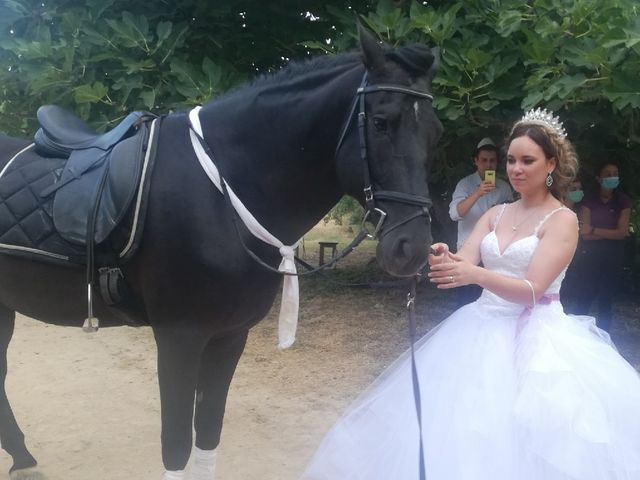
204	464
174	475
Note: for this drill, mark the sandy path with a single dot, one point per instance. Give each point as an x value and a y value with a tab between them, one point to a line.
89	404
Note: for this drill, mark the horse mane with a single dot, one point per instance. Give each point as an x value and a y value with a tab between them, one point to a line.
417	59
298	68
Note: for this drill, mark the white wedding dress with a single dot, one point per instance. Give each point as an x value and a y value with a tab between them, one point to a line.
508	393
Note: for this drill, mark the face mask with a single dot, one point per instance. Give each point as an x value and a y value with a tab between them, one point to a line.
610	182
575	196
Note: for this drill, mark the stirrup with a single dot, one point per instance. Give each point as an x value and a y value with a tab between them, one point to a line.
91	325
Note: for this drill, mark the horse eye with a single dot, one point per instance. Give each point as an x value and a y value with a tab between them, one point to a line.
380	123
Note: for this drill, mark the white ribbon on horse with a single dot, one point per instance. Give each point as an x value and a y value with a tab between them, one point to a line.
289	303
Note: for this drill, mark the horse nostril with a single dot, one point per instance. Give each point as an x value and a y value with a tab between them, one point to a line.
403	255
403	249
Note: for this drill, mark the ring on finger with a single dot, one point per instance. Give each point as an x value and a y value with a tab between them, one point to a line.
451	279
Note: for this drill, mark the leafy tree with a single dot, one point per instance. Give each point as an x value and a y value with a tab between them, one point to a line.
580	58
104	58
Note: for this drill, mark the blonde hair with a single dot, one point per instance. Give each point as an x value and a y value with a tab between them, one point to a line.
554	146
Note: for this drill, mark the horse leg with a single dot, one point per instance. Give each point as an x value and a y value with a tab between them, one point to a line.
11	437
218	364
179	351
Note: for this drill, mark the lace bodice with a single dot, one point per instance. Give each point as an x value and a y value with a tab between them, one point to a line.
513	261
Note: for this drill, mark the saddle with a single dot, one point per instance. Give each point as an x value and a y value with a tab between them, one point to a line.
61	132
65	198
101	174
74	189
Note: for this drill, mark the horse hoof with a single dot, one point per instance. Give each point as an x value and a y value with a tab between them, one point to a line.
27	474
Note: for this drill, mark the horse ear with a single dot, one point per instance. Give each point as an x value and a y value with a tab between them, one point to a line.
372	52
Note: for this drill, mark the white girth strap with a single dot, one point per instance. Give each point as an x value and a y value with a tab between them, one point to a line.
290	296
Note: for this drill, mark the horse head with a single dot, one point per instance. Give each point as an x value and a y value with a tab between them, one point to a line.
397	135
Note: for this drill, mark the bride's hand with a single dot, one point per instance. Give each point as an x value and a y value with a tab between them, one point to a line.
439	252
456	272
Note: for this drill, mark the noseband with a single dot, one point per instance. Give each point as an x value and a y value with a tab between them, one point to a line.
371	196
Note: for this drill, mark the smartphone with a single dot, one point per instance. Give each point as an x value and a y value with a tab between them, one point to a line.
490	176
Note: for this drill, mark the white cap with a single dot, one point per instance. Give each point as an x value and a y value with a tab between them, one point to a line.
485	142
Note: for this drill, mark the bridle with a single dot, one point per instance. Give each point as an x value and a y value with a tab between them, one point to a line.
371	196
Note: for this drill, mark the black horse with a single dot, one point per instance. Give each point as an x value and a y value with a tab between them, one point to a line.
289	146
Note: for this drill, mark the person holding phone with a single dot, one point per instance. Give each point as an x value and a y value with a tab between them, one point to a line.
473	196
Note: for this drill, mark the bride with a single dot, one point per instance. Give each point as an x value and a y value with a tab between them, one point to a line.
512	388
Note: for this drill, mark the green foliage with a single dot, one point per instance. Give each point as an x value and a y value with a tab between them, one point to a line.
499	57
347	209
104	58
93	57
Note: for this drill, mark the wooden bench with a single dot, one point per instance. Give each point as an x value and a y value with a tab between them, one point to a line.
322	245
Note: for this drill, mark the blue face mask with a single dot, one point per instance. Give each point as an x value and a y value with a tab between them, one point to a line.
610	182
575	196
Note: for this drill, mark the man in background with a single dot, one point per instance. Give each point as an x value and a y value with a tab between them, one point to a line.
473	196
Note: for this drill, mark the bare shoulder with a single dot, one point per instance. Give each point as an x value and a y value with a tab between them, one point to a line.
496	209
564	214
491	215
562	221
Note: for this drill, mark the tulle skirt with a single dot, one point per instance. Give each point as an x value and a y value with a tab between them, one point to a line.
505	396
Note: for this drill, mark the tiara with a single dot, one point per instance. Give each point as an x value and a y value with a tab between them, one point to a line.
544	117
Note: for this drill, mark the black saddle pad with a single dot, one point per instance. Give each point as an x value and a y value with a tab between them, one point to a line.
26	218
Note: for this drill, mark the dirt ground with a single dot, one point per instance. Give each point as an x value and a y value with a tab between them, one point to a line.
89	403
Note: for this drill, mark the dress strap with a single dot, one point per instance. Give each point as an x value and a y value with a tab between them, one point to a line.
499	216
546	217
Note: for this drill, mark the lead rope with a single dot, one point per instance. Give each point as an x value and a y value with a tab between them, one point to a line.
411	297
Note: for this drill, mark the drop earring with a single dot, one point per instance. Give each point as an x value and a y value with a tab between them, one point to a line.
549	180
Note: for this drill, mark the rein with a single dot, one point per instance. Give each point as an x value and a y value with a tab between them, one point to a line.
362	234
415	381
370	198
